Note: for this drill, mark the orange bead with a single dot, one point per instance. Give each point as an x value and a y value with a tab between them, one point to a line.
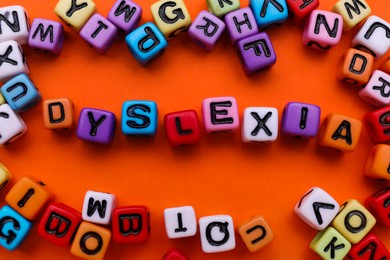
58	113
356	67
377	164
340	132
91	241
255	233
5	177
385	67
28	197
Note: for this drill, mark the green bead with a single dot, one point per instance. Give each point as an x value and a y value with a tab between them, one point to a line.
330	244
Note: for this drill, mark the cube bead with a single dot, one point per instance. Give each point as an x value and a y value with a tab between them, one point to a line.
377	90
5	177
378	205
182	128
222	7
255	233
369	248
12	125
14	24
180	222
58	113
241	24
377	164
330	244
98	207
269	13
12	60
377	124
46	35
139	117
75	13
302	8
125	14
352	11
260	124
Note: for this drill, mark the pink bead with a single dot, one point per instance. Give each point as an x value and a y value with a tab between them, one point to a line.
220	114
377	90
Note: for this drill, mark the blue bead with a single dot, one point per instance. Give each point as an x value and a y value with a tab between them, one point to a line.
268	12
14	228
20	93
146	43
139	118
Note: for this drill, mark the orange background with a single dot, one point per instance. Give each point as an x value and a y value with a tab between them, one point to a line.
220	175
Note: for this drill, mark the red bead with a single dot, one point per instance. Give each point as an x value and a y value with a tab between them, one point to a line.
58	223
369	248
174	254
301	8
379	205
130	224
182	128
378	124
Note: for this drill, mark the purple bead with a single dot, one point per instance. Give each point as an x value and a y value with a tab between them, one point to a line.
99	33
125	15
96	126
301	120
256	52
240	24
46	35
206	30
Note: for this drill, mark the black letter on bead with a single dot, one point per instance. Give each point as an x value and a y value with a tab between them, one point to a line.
245	21
178	12
261	123
355	8
304	112
15	27
10	236
223	228
362	217
220	2
214	112
131	112
305	4
4	57
256	49
316	208
263	233
21	94
75	7
51	115
264	8
374	26
383	87
123	8
179	129
26	197
96	205
353	62
43	34
304	196
384	121
134	224
180	223
372	248
347	137
61	227
84	239
150	35
95	124
101	27
332	247
322	20
209	24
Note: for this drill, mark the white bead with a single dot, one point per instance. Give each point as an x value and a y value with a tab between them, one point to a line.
317	208
11	125
260	124
11	28
374	36
98	207
180	222
377	90
12	61
217	233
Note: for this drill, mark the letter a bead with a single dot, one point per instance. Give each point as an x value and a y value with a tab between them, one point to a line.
370	247
75	13
330	244
220	114
255	233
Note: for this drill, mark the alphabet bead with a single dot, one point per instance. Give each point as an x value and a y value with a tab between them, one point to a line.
12	60
378	205
352	11
182	128
75	13
206	30
12	125
125	15
269	12
46	35
28	197
340	132
146	43
98	207
317	208
369	248
353	221
330	244
255	233
91	241
58	113
220	114
377	164
180	222
356	67
99	33
5	177
59	223
139	117
301	9
377	90
217	233
373	37
377	125
14	24
260	124
171	17
20	93
221	7
323	30
14	228
96	126
130	224
241	24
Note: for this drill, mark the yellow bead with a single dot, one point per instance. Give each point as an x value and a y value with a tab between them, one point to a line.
171	17
75	13
2	100
353	221
5	177
352	11
330	244
220	8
